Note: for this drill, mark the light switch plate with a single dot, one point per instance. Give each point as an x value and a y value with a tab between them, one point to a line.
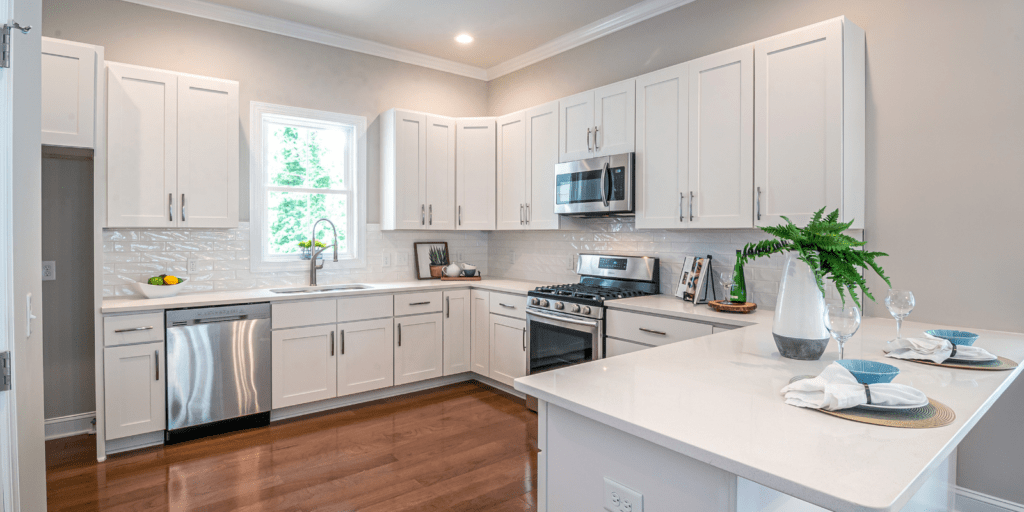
49	271
403	259
192	266
386	259
619	498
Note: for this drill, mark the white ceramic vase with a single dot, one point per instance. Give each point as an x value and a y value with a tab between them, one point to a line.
799	328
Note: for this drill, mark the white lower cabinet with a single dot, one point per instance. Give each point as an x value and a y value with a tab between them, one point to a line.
614	347
418	348
457	327
366	355
508	349
303	367
480	316
135	389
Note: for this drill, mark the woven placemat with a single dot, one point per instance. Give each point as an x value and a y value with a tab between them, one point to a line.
1000	364
935	414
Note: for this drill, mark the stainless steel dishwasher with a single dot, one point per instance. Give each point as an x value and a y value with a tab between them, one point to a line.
218	370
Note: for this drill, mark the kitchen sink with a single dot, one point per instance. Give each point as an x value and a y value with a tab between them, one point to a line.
318	289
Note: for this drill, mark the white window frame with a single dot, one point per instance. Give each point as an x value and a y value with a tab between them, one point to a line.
261	261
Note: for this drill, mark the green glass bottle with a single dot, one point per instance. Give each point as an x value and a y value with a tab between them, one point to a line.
739	284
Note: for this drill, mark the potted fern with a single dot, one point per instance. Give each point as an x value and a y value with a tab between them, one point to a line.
814	253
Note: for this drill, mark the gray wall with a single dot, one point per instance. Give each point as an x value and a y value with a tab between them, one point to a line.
270	68
945	162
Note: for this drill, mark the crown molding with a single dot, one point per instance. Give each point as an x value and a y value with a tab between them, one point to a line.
610	24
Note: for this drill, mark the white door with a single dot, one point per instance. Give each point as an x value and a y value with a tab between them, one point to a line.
480	315
508	349
303	365
541	159
662	147
511	191
418	348
69	93
141	147
721	140
366	356
440	181
614	118
410	170
798	122
207	152
475	147
457	332
136	389
576	127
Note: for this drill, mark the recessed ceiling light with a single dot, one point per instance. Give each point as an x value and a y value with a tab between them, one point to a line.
464	38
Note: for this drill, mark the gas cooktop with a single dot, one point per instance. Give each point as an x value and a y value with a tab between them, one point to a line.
602	278
586	292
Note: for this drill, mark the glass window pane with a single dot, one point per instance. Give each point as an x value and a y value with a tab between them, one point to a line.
298	156
290	218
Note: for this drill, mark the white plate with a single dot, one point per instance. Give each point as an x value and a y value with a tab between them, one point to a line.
874	407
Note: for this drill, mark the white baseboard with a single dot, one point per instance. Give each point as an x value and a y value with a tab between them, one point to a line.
973	501
135	442
73	425
497	385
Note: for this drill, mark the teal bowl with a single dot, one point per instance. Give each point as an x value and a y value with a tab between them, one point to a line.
956	337
870	372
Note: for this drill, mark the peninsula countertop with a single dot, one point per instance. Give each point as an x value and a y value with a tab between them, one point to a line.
716	399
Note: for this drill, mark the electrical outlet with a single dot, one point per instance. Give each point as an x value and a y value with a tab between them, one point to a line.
49	271
386	259
619	498
403	259
193	266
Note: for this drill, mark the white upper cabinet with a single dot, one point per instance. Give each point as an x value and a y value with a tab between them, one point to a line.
207	152
511	193
598	122
440	183
720	191
809	124
662	144
69	72
417	171
475	173
541	158
576	127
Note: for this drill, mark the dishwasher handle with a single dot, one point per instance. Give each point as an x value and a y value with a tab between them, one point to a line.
219	319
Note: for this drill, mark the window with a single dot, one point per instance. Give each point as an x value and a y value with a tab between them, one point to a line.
306	165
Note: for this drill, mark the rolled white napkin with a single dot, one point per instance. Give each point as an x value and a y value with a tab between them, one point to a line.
836	388
934	349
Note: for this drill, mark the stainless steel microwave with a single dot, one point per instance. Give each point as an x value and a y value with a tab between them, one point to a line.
595	187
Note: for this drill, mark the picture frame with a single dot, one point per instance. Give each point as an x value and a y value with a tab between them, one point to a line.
421	251
691	278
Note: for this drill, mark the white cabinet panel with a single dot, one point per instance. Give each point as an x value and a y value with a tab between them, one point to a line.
69	93
480	315
662	147
142	147
304	367
508	349
652	330
403	170
457	332
129	329
207	152
440	192
418	352
541	158
508	305
135	389
721	140
614	347
417	303
475	173
511	193
366	356
614	118
365	308
576	127
303	313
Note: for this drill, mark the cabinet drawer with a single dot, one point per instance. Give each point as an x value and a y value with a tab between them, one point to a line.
652	330
508	305
366	308
416	303
129	329
614	347
299	314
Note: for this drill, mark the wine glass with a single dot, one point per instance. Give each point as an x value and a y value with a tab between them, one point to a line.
842	322
899	303
727	283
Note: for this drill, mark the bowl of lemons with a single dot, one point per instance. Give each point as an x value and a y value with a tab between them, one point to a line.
160	287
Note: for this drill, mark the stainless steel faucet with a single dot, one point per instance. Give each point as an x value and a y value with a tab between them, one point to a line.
313	267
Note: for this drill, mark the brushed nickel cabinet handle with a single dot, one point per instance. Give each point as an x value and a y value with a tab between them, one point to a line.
527	213
431	215
133	329
332	343
448	304
502	304
659	333
170	207
758	203
596	147
423	215
399	335
460	214
524	339
342	342
183	207
588	140
156	357
691	206
419	303
681	207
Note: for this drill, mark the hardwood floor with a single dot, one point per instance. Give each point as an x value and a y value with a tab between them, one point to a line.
457	448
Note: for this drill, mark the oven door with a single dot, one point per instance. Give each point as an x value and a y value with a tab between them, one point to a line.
596	186
558	340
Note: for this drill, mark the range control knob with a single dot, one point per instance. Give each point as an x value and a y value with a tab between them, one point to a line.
586	310
575	308
544	303
559	305
535	301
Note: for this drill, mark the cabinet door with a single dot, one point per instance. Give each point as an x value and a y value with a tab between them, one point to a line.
418	351
366	356
662	147
207	152
798	123
480	315
410	171
615	118
457	332
576	127
142	147
475	173
614	347
511	198
69	94
541	159
135	389
508	349
721	140
440	182
304	367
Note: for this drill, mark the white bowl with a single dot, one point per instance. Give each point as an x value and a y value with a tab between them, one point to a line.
158	292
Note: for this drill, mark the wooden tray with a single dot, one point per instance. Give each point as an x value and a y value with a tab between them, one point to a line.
474	278
729	307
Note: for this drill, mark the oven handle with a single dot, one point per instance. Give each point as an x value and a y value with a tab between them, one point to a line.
604	180
562	319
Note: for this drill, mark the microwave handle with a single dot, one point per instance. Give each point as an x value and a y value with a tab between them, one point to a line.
604	180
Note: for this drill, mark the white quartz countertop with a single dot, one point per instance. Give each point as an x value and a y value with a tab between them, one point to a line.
128	305
672	306
716	399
